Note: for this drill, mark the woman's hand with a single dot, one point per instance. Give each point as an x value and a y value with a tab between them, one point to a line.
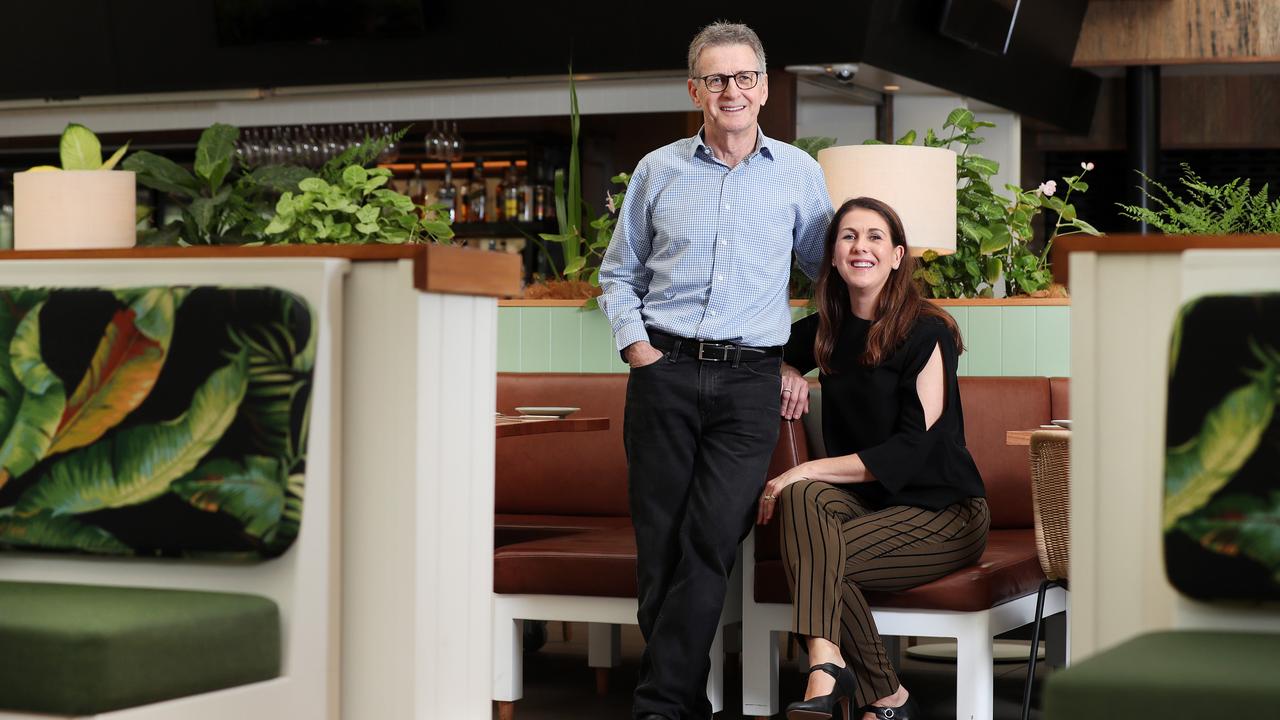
772	494
795	393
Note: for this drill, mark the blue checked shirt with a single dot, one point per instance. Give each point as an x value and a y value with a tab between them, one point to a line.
704	251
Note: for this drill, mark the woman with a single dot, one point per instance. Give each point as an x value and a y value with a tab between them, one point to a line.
898	502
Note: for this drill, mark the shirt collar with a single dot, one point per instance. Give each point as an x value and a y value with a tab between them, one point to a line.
764	144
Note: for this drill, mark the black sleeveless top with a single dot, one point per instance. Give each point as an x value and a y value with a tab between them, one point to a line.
876	413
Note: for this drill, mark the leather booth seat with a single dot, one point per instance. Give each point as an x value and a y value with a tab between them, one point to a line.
549	486
1009	567
569	492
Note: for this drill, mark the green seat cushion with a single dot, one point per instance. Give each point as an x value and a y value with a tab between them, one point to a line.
84	649
1172	675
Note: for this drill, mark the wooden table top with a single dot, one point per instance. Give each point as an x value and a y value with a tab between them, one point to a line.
1023	437
516	427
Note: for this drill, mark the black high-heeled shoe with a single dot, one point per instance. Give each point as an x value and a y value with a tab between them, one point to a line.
905	711
824	707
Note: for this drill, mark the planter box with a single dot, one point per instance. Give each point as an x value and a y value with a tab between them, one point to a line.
1019	336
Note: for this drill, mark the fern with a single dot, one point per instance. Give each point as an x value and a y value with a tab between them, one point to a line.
362	154
1207	209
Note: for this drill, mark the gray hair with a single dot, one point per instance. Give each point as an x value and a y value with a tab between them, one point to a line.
724	33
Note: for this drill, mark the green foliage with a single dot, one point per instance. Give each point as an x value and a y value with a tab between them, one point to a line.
33	397
1240	525
79	149
994	233
139	463
218	205
1207	209
364	154
48	531
355	209
578	249
813	145
1229	435
71	458
252	492
342	203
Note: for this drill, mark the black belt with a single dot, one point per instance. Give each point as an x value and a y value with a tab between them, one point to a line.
711	350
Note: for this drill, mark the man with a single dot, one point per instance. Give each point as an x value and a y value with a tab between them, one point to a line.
695	288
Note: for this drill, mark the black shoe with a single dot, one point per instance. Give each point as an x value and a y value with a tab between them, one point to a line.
824	707
652	716
905	711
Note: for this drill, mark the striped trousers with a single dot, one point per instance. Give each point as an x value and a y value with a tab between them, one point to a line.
835	545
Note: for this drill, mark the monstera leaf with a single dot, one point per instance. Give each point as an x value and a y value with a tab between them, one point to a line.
123	370
252	492
1230	434
46	531
139	463
36	404
1240	525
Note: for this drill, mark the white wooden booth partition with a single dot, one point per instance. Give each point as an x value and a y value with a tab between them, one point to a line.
386	598
1126	291
304	582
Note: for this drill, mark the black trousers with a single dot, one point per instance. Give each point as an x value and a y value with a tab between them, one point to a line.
698	437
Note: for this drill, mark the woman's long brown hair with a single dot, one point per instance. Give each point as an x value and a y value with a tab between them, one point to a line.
898	308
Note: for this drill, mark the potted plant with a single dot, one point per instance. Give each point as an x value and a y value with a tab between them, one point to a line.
1208	209
83	204
342	202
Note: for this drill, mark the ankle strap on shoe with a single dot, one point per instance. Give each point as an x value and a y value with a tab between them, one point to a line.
831	669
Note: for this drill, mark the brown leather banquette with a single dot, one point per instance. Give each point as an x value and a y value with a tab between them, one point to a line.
561	507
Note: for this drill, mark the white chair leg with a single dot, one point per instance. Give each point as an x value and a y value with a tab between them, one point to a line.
604	651
604	645
974	674
893	650
508	656
715	678
759	669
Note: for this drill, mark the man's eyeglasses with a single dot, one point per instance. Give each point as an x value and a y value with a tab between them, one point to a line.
745	80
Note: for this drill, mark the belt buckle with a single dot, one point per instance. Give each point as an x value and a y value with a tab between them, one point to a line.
724	351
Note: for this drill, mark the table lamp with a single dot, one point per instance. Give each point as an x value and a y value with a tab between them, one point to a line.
918	182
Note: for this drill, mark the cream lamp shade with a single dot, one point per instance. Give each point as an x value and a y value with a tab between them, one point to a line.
74	209
917	182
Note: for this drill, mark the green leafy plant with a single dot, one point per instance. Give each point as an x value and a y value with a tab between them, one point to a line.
1207	209
994	233
80	149
354	209
813	145
578	249
219	205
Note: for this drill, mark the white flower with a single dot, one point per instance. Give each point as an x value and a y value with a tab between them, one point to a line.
608	202
1049	187
1086	165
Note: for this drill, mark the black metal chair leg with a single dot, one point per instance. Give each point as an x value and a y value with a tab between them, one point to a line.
1035	647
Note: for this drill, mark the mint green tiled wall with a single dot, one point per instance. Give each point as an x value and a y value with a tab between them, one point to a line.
1000	340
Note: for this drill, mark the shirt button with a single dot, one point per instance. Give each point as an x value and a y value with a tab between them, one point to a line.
713	312
724	242
720	277
726	206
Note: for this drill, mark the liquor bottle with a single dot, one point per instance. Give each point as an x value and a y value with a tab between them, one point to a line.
447	195
498	210
477	194
417	187
511	194
526	197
